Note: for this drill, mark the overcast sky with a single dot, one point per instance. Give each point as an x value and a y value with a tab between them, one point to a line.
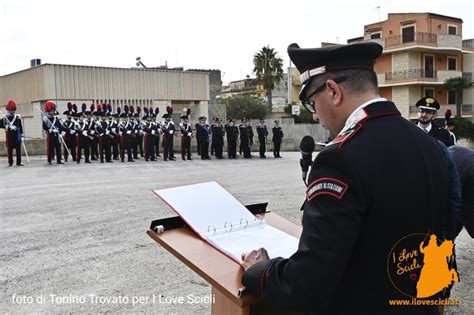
201	34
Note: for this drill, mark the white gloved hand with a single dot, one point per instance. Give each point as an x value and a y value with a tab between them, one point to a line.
72	132
92	132
189	134
22	139
171	132
84	133
153	132
114	130
107	132
129	132
13	128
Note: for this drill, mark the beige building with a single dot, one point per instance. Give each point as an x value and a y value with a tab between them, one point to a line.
421	51
32	87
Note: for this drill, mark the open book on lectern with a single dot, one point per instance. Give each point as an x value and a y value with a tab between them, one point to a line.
220	219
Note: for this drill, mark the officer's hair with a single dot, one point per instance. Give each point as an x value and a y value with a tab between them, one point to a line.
358	81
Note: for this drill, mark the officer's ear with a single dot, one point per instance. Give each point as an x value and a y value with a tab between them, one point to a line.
335	92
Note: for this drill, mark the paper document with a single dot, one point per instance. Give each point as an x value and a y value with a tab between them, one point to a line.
217	217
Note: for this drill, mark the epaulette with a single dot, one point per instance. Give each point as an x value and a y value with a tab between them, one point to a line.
342	138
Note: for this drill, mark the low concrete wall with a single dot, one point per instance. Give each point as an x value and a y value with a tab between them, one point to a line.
293	133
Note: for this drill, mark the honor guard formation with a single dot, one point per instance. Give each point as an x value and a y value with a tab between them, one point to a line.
96	133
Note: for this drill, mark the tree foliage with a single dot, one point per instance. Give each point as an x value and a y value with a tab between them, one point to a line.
268	68
244	106
458	85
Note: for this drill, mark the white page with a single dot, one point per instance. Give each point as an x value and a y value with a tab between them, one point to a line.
205	206
276	242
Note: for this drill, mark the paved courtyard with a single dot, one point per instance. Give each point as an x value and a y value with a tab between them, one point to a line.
73	236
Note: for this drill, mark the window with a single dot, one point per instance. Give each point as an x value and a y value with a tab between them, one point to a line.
452	29
429	92
451	63
375	35
429	66
408	34
451	97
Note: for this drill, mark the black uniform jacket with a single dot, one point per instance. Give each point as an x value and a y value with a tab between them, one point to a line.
380	180
441	134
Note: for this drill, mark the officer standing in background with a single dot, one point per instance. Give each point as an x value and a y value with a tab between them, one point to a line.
245	139
353	212
262	133
204	133
218	132
83	137
93	116
232	132
149	132
168	136
126	131
428	107
13	126
251	135
69	129
198	135
277	137
52	126
157	126
186	135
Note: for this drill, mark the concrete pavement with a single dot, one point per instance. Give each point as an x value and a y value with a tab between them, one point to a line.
73	236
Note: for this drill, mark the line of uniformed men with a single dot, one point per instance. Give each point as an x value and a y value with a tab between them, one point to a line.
102	135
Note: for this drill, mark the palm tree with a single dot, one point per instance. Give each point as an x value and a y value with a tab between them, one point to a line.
458	85
268	68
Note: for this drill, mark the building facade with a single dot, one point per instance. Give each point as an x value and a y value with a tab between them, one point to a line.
421	51
250	86
32	87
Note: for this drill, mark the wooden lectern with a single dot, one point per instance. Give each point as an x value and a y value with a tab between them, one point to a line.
220	271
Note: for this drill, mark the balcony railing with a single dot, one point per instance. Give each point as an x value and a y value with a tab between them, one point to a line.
411	39
411	74
467	76
468	43
466	108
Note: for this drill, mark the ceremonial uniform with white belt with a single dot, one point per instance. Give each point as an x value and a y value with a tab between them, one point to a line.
13	126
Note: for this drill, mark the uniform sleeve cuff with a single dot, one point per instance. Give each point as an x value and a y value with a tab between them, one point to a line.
254	278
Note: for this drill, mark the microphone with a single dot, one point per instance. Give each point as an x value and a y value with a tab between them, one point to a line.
306	149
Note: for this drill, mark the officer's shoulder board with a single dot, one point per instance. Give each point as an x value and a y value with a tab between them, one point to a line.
341	139
326	186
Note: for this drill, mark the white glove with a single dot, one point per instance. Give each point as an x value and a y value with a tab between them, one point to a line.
22	139
84	133
55	130
136	131
171	132
129	132
107	132
72	132
114	130
153	132
13	128
189	134
92	132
